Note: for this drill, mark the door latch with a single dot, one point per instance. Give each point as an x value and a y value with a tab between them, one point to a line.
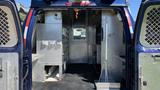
156	58
144	83
1	73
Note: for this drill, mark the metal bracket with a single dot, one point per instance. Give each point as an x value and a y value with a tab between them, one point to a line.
156	58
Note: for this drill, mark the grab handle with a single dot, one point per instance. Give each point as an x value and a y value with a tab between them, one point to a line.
102	36
156	57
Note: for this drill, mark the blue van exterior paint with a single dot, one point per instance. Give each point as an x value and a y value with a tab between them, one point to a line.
28	50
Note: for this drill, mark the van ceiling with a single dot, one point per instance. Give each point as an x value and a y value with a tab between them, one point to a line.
62	3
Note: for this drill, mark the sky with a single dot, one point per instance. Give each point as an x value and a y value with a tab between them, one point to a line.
134	6
26	3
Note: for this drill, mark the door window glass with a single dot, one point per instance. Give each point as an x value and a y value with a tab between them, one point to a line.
79	33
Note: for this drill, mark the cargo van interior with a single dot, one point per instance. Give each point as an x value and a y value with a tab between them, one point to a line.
78	49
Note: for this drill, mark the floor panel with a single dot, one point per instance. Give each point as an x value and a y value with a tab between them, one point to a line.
77	77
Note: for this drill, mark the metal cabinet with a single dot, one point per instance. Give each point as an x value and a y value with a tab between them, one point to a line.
49	45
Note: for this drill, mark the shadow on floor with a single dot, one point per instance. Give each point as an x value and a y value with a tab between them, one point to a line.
77	77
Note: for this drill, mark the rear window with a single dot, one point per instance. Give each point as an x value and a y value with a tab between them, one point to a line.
79	33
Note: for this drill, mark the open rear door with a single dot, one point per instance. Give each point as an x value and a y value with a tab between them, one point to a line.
10	47
147	46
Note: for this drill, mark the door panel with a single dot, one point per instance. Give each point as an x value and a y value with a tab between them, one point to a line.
78	38
78	45
147	44
150	70
10	47
9	71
